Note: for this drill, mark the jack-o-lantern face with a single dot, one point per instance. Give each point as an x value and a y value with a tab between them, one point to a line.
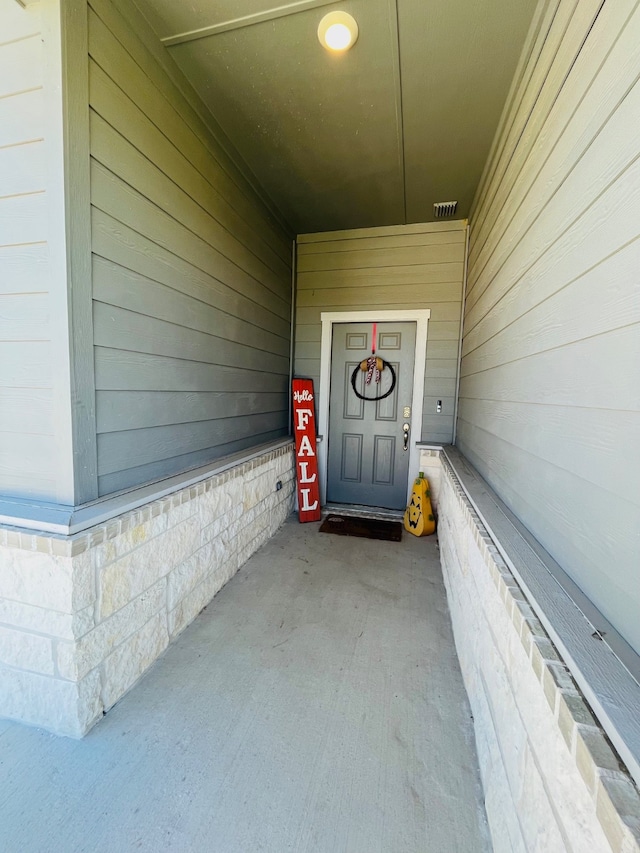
414	512
418	517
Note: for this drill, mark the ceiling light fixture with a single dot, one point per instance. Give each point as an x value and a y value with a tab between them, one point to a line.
338	31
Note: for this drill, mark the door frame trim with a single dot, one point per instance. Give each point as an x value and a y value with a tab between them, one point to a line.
421	319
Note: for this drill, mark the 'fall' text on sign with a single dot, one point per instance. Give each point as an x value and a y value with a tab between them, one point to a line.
304	430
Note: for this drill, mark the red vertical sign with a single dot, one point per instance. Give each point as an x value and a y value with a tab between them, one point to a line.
304	430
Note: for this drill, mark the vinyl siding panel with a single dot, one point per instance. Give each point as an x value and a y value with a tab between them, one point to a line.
400	267
127	371
549	408
21	59
191	271
28	466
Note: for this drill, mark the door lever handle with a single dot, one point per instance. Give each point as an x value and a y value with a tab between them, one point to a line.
405	429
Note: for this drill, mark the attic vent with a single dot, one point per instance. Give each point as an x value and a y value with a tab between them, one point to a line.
444	208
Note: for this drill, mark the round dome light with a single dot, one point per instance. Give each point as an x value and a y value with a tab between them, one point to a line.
338	31
338	37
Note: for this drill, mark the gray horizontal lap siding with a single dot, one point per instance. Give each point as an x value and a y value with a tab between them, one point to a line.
549	392
28	390
401	267
191	275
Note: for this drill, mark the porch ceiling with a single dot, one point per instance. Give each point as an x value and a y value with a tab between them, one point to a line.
372	137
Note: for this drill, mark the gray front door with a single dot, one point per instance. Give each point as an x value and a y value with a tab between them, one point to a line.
366	461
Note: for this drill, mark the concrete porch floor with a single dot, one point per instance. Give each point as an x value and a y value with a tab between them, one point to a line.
315	705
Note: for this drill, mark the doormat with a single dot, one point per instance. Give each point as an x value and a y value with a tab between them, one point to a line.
366	528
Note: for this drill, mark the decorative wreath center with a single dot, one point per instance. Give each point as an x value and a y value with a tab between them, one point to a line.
373	366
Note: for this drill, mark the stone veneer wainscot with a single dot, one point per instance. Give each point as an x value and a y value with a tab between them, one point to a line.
551	779
83	617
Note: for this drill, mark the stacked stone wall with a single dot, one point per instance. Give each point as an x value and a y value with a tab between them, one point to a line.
431	466
83	617
552	781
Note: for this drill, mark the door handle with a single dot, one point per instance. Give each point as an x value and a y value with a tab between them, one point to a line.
405	429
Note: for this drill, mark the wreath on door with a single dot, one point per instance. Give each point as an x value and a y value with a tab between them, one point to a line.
373	367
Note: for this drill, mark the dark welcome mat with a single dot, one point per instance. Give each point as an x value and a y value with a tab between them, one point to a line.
366	528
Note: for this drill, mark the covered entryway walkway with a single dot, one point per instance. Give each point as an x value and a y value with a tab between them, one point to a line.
315	705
